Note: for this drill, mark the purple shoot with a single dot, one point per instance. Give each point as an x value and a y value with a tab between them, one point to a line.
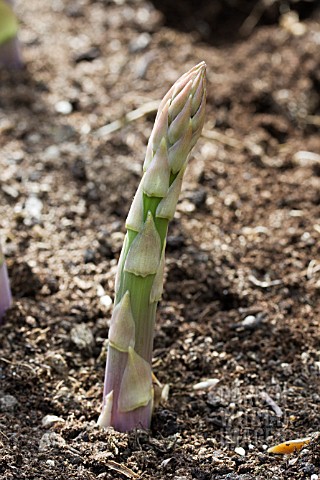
5	292
10	56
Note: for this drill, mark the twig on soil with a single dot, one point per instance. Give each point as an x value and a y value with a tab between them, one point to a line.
3	434
73	451
313	268
17	364
256	13
207	310
224	139
146	109
259	283
127	472
269	401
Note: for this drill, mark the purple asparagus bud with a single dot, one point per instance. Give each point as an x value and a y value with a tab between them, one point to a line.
180	118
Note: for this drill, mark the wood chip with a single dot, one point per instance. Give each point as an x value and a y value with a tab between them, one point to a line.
290	446
117	467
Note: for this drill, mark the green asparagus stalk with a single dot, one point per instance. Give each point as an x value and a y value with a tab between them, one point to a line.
128	391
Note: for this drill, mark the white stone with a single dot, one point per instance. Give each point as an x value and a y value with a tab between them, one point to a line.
211	382
63	107
50	420
106	301
240	451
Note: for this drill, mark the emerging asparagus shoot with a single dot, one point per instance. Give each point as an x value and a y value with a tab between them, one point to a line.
5	292
10	56
128	392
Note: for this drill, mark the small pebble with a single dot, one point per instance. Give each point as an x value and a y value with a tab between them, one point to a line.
64	107
249	322
140	43
186	207
10	191
304	452
63	133
211	382
165	462
7	402
82	337
51	440
33	208
51	153
214	401
308	468
50	463
100	290
57	363
106	301
50	420
240	451
88	56
142	64
34	138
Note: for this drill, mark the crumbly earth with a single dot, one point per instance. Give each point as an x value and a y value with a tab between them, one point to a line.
241	302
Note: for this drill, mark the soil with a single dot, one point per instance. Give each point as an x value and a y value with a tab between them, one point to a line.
241	301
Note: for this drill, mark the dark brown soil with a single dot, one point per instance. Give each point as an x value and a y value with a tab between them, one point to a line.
245	243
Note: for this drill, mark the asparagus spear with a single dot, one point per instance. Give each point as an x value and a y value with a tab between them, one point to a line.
5	292
10	56
128	392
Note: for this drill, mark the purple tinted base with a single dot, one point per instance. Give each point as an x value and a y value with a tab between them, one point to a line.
10	56
122	421
5	292
138	418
